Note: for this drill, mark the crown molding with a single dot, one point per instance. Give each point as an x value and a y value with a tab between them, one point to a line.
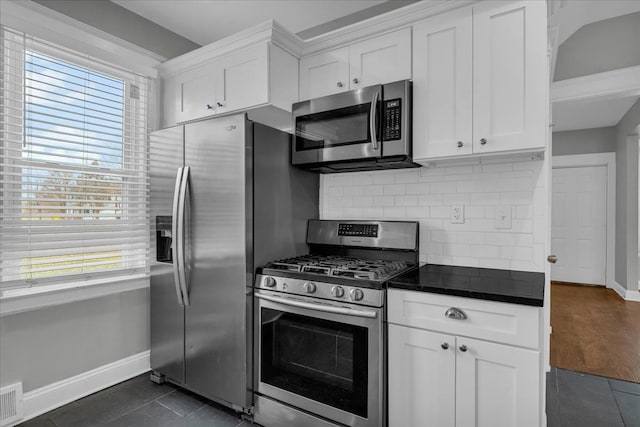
269	31
54	27
377	25
609	84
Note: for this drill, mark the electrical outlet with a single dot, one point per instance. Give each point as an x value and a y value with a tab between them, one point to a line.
457	214
503	217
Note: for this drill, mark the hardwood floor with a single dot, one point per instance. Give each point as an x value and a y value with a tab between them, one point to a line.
595	331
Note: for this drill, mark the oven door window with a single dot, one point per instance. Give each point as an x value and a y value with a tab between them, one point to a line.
343	126
319	359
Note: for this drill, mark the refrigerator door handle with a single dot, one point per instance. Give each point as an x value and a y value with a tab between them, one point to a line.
177	236
182	207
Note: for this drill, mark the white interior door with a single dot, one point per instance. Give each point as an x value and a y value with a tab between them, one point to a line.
579	224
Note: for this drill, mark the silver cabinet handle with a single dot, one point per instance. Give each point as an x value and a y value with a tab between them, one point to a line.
455	313
372	121
444	345
219	104
463	348
552	259
339	84
356	81
209	107
181	227
460	144
483	141
319	307
177	235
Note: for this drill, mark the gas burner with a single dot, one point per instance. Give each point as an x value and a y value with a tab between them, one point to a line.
337	266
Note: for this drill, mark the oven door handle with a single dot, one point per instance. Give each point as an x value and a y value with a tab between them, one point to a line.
320	307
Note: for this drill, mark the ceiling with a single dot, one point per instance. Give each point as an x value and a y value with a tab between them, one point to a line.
568	16
205	21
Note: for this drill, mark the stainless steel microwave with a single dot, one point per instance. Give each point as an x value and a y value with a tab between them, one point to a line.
363	129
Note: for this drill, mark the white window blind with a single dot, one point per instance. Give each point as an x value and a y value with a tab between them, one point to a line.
74	166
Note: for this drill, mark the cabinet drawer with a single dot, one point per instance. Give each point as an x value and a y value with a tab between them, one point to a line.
489	320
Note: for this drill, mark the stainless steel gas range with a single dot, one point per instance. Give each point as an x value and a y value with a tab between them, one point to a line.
319	325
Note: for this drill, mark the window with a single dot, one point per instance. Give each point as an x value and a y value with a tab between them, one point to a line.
74	167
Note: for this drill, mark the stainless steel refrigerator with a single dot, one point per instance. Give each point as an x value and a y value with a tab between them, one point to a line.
224	200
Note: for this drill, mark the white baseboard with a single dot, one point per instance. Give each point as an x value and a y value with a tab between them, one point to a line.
52	396
626	294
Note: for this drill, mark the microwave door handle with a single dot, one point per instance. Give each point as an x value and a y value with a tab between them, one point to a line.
320	307
177	236
372	121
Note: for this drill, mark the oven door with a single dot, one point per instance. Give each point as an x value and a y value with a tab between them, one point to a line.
322	357
344	126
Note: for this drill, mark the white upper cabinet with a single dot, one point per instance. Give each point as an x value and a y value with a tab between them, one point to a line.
480	80
242	79
324	74
254	71
195	95
510	78
382	59
442	100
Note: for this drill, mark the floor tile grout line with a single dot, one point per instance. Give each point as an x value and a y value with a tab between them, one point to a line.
613	395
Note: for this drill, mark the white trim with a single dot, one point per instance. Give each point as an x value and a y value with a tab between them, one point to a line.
24	299
608	85
375	26
609	161
55	27
269	31
626	294
52	396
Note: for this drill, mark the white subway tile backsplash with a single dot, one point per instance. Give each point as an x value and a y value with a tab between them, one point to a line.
407	200
383	201
394	189
352	190
427	194
407	177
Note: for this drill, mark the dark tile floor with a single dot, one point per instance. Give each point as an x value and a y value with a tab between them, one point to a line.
140	403
573	400
583	400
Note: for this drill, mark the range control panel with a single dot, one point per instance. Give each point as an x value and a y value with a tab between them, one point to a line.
392	120
360	230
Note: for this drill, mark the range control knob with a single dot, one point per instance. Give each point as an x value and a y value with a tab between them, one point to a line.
356	294
337	291
309	287
270	282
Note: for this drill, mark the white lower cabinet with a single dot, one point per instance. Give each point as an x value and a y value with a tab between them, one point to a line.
442	379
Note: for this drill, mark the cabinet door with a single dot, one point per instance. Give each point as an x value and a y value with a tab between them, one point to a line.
324	74
421	378
510	75
442	94
382	59
496	385
195	93
242	79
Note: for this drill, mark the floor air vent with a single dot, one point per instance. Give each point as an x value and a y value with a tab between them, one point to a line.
11	404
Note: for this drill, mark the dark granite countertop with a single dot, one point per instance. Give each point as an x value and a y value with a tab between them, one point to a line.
517	287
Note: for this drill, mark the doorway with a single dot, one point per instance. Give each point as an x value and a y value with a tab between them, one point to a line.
583	218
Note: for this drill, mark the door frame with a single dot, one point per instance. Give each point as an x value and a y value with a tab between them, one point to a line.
607	160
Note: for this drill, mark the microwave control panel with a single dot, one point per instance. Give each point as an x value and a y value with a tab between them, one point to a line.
392	120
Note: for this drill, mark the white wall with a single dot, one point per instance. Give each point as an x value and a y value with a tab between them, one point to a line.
42	346
426	195
585	141
627	199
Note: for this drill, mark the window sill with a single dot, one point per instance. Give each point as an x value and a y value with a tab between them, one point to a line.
19	300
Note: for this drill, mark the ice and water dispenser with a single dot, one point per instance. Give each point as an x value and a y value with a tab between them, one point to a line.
163	239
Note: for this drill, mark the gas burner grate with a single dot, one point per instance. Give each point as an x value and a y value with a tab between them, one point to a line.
337	266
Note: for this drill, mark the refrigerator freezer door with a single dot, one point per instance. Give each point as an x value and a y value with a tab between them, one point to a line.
216	319
166	312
